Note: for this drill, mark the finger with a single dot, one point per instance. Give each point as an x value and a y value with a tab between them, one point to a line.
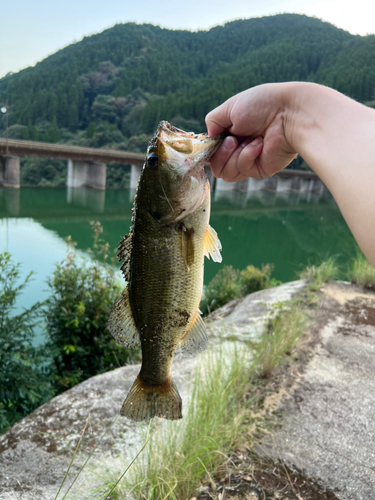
220	158
274	156
248	161
219	119
242	161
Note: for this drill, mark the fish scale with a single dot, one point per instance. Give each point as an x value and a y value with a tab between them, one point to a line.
163	263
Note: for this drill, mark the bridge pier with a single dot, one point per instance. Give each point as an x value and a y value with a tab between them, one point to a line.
86	174
135	172
9	171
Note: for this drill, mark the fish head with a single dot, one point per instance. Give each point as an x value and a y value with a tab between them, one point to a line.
176	160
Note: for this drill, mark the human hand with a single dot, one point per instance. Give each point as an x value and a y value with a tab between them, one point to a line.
256	120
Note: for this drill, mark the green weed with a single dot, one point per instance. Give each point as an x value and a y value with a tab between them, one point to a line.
254	279
319	274
180	455
183	453
223	288
361	272
24	377
276	343
82	293
230	284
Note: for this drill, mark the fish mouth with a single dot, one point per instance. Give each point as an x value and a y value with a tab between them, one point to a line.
185	150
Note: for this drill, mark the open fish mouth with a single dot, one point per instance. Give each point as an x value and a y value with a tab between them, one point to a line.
185	150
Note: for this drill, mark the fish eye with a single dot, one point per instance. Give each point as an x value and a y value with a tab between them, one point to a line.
152	160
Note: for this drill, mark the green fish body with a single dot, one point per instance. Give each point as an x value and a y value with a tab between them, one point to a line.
163	265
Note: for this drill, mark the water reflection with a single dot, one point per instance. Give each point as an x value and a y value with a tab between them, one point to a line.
9	201
257	226
93	199
236	199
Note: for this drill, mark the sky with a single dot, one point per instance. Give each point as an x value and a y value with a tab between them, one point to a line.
33	29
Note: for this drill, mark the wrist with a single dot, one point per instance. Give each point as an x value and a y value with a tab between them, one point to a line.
301	101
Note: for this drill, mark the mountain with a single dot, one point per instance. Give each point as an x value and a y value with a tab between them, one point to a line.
114	87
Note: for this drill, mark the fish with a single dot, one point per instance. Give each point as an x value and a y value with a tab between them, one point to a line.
162	263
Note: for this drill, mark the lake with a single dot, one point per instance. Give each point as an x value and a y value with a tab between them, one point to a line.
289	230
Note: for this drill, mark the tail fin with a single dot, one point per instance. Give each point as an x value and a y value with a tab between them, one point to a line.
146	401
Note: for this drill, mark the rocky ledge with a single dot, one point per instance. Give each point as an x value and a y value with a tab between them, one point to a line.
327	426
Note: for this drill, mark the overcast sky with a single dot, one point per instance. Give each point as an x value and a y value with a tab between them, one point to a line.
33	29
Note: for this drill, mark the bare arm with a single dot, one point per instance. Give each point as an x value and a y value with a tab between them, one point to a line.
335	135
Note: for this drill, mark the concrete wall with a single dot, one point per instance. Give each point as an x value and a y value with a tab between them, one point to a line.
86	174
9	171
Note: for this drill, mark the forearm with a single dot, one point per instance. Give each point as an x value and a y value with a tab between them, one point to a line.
336	137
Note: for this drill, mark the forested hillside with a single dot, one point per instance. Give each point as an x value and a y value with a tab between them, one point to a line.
111	89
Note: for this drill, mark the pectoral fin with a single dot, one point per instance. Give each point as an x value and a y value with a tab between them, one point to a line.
121	323
196	340
212	245
187	245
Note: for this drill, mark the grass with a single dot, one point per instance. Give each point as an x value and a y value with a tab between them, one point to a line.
361	272
183	453
319	274
280	338
224	411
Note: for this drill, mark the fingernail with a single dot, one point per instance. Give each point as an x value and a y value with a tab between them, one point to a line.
257	141
245	143
228	144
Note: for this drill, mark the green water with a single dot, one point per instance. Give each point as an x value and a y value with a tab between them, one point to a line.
289	230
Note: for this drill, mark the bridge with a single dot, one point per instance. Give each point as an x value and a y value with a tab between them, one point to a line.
87	168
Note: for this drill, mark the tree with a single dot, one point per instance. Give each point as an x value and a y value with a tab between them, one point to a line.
73	117
24	378
83	292
53	133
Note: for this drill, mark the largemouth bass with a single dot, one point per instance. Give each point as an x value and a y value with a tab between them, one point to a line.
163	264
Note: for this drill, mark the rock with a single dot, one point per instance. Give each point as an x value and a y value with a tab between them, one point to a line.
246	318
35	452
328	427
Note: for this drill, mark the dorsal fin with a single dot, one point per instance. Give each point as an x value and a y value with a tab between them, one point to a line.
212	245
124	252
196	340
121	322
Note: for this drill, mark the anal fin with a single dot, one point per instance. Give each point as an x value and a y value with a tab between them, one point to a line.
121	322
212	245
196	340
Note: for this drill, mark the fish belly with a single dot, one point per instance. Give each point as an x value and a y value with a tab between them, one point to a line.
164	294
